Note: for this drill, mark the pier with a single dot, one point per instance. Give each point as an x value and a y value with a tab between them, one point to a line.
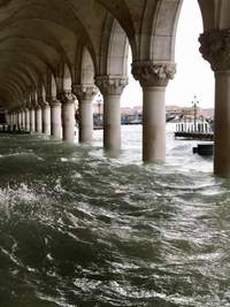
199	131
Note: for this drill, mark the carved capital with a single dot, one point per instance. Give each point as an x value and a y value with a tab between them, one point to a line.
215	46
42	102
54	102
85	92
150	74
34	103
109	85
67	97
30	106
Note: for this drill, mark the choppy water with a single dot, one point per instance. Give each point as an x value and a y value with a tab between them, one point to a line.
79	229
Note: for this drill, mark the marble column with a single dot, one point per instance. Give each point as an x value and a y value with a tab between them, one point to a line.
38	119
19	119
68	116
32	120
46	119
85	96
23	119
27	119
153	79
56	120
111	89
11	121
215	46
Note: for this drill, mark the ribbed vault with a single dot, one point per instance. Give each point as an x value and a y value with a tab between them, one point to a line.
41	35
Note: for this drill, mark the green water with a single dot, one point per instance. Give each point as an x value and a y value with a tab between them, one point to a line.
79	229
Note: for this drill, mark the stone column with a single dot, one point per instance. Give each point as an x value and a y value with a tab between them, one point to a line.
111	89
85	95
27	119
32	120
215	46
38	119
56	123
11	121
46	119
19	119
15	120
68	116
153	79
23	119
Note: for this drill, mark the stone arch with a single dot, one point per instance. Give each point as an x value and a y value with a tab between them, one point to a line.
114	49
67	78
164	17
121	12
215	14
53	87
117	60
87	68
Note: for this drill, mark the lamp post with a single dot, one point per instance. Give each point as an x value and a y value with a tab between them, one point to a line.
195	102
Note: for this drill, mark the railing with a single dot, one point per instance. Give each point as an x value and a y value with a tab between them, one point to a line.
203	127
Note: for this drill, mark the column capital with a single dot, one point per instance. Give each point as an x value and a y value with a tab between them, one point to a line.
67	96
42	102
34	102
85	92
215	46
54	102
111	85
153	74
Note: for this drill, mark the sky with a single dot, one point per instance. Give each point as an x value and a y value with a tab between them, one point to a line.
194	75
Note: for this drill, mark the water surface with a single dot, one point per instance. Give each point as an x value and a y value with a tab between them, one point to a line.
80	229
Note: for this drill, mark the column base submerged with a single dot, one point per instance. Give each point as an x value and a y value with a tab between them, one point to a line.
215	46
153	78
112	88
68	116
85	95
46	119
56	120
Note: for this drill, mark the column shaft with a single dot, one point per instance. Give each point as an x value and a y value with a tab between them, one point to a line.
222	124
215	46
56	128
112	123
112	88
86	121
68	121
32	120
27	127
154	78
38	121
11	121
19	120
46	120
23	119
154	124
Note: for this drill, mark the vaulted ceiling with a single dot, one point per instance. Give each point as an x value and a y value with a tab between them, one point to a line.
36	35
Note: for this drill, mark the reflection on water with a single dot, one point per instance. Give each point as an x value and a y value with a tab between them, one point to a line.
79	229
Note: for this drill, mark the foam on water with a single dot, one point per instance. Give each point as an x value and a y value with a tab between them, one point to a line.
80	229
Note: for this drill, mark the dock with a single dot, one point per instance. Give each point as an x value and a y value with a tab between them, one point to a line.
200	131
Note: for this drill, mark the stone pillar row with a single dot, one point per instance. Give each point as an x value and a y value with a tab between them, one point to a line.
153	78
56	119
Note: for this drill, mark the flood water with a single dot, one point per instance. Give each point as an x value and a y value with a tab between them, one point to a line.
80	229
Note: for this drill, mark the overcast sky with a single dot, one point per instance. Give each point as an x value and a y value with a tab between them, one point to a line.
194	75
